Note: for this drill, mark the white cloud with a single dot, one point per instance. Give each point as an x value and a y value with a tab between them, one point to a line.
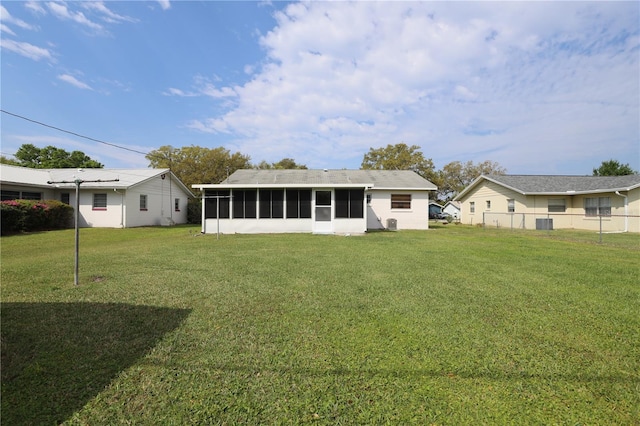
6	29
172	91
165	4
464	81
26	49
6	18
203	86
60	10
107	15
35	7
74	82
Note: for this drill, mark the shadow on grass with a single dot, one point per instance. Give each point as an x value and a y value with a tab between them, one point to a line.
57	356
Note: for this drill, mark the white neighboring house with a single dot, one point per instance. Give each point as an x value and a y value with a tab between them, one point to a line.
452	208
140	197
316	201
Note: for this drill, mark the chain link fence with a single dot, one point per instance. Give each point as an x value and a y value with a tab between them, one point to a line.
601	224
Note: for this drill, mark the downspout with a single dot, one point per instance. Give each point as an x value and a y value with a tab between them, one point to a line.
626	211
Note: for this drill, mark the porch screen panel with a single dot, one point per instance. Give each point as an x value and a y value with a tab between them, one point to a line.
211	201
271	203
305	204
349	203
298	203
244	203
342	203
277	203
356	203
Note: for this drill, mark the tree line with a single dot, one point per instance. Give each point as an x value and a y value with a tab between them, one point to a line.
195	164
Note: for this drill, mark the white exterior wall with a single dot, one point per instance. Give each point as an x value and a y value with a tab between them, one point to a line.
257	226
417	217
160	203
109	218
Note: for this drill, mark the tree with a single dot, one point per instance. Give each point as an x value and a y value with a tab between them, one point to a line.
613	168
50	157
456	176
399	157
5	160
195	164
284	164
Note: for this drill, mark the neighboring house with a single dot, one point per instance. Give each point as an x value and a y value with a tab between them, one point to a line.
541	202
140	197
452	208
316	201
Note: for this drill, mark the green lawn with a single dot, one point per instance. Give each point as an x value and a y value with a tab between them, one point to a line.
455	325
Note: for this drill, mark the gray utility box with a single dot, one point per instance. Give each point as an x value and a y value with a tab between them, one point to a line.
392	224
544	224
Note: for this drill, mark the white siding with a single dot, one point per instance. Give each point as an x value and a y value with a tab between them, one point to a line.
417	217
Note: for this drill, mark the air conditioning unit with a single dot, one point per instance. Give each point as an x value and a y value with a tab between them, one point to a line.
392	224
544	224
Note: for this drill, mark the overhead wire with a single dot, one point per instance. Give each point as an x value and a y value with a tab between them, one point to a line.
73	133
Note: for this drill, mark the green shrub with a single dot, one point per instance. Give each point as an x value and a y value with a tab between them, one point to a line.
194	211
28	215
11	217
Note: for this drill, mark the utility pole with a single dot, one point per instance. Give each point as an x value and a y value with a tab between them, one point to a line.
78	182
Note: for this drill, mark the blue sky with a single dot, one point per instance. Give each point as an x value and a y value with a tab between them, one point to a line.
540	87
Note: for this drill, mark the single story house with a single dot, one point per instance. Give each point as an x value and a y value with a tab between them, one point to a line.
610	203
316	201
109	198
452	208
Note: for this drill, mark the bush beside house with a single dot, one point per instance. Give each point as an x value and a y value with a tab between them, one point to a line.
27	215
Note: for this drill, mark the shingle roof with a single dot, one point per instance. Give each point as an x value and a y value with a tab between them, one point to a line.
554	184
380	179
549	184
40	177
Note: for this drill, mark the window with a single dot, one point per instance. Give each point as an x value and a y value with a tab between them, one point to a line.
600	206
511	205
400	201
16	195
215	201
10	195
472	207
298	203
64	197
271	203
143	202
100	201
349	203
32	196
176	204
244	203
488	204
557	205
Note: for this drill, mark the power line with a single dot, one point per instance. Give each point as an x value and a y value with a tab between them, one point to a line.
73	133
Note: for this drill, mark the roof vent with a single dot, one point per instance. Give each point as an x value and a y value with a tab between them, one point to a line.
325	170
